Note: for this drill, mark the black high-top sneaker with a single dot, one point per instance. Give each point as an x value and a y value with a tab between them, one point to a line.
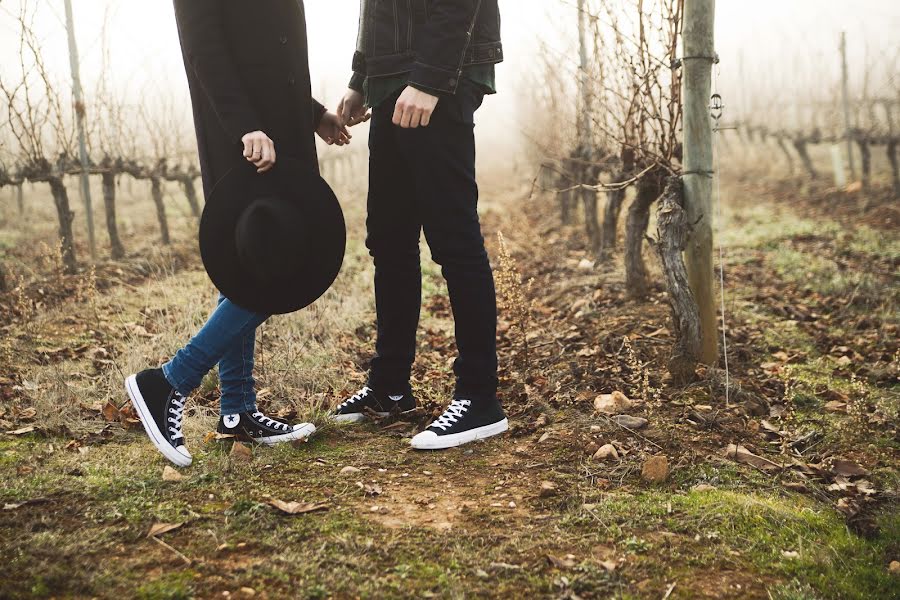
160	408
353	409
462	422
257	427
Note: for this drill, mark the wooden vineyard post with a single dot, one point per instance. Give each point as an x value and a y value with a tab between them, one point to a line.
699	55
845	100
79	119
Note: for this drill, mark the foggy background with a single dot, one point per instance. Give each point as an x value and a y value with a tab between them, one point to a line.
773	52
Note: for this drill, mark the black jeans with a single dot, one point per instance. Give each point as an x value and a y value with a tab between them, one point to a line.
424	179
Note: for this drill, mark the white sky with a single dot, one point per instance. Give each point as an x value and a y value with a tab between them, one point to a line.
781	43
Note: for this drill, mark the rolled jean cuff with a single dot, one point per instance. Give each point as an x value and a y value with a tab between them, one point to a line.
178	385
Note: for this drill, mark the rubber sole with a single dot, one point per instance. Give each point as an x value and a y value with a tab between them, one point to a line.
442	442
355	417
150	427
298	434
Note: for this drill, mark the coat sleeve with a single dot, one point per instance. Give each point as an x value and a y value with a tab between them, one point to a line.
444	42
208	55
318	112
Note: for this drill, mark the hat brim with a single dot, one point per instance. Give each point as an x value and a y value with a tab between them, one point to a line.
325	237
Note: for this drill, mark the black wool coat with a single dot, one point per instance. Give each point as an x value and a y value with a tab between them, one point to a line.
247	66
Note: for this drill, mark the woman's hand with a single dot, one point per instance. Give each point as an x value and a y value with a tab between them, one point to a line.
352	109
333	131
259	149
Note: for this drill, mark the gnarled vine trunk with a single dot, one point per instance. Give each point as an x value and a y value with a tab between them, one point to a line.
673	233
108	180
895	163
648	190
190	190
66	216
800	147
156	192
865	152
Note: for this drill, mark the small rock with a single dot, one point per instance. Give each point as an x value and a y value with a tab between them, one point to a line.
481	573
512	504
655	469
170	474
586	265
611	404
596	429
703	487
544	437
630	422
248	592
349	470
606	451
895	567
548	488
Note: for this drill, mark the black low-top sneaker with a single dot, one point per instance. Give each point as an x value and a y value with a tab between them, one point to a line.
257	427
160	408
462	422
353	410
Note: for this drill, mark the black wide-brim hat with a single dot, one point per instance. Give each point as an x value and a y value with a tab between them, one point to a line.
274	242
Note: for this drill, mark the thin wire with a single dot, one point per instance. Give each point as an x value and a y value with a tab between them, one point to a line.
718	175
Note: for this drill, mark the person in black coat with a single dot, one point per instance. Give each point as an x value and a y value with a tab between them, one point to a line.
248	74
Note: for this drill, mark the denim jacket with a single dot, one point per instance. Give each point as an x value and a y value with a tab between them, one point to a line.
430	40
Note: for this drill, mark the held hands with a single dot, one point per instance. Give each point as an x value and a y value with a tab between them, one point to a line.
414	108
333	130
259	150
352	109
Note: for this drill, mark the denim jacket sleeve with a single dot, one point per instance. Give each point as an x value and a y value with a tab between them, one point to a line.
443	45
208	55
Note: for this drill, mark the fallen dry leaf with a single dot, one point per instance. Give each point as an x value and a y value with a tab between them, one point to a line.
170	474
241	453
847	468
742	455
296	508
110	412
160	528
566	562
22	431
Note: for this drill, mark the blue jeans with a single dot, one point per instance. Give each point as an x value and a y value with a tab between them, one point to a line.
228	339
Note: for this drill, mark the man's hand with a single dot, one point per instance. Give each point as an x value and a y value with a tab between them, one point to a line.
333	131
259	150
414	108
352	109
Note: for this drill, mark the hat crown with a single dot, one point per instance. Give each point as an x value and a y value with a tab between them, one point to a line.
270	239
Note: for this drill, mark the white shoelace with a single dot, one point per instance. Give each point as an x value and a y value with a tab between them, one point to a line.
177	414
355	398
453	414
268	422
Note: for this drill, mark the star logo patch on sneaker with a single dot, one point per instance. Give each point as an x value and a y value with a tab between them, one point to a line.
231	421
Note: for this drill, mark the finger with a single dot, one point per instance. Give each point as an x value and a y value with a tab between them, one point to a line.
257	150
274	157
248	147
416	119
266	156
265	169
406	118
342	112
398	112
426	118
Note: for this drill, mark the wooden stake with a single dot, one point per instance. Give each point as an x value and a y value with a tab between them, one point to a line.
79	120
845	97
699	53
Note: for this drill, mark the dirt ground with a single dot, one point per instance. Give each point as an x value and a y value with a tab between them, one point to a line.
776	478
